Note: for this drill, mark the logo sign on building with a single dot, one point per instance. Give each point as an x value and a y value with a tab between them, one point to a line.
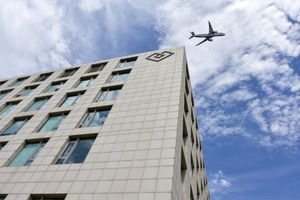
157	57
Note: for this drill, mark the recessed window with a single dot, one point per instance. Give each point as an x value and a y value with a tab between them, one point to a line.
192	165
95	117
108	94
48	197
192	137
38	103
27	90
183	166
71	99
55	86
85	81
19	81
53	122
2	144
96	67
2	196
15	126
69	72
185	135
187	87
118	77
191	194
8	107
76	150
128	63
27	155
3	93
2	82
186	107
43	77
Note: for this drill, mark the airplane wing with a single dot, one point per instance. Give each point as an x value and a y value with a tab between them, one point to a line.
202	41
210	28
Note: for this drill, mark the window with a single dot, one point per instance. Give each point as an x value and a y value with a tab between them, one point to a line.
95	117
2	82
68	72
86	81
4	93
96	67
2	144
76	150
55	86
129	62
108	94
71	99
186	107
8	107
27	155
48	197
43	77
15	126
185	135
27	90
117	77
53	122
187	87
2	196
191	193
38	103
183	166
19	81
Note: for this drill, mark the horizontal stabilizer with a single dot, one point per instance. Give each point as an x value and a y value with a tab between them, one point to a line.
192	35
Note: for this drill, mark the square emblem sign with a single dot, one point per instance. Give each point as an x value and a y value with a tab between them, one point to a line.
157	57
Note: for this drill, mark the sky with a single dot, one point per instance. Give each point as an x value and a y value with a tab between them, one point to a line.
246	85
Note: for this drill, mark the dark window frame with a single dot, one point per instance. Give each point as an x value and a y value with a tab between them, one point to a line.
98	66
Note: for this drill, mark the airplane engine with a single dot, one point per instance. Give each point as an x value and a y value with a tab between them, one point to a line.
210	39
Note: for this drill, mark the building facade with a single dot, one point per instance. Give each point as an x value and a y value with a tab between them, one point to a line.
118	129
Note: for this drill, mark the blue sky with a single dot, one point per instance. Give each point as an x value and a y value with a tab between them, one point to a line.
246	85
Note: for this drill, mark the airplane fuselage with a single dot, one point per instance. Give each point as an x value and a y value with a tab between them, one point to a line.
209	35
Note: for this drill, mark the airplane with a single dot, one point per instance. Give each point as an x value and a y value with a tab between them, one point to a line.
208	37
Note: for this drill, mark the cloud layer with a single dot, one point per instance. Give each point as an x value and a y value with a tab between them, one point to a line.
245	82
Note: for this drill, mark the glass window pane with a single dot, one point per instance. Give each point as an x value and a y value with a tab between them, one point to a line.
24	155
122	77
88	119
14	127
81	150
3	94
111	95
84	83
55	87
52	123
37	104
25	92
68	149
8	108
127	63
98	118
69	101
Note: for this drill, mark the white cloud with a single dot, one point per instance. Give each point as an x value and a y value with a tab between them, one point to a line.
241	77
31	37
219	183
245	77
91	5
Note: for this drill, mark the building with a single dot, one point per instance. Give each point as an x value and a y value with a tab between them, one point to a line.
119	129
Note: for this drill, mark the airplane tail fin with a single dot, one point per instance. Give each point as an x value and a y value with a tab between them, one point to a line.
192	35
